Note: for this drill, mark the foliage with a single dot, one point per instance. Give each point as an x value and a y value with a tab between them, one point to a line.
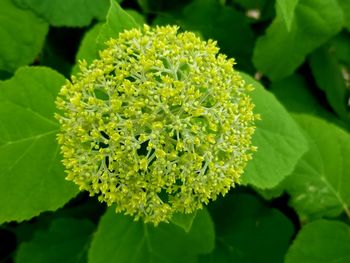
293	202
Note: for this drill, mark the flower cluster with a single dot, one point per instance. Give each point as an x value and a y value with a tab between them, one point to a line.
161	123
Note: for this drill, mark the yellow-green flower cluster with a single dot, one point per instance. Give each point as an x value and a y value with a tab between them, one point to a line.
161	123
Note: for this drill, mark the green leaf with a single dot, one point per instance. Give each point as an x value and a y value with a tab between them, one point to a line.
319	185
5	75
345	5
161	6
88	48
251	4
138	17
226	25
321	241
31	175
66	240
280	52
120	239
295	95
184	221
248	231
22	36
278	138
263	9
329	78
341	48
286	8
73	13
118	20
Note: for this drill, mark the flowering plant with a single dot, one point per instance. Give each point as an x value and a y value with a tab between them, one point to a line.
161	123
124	143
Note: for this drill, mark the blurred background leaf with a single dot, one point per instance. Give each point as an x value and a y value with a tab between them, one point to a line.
22	36
225	25
66	240
248	231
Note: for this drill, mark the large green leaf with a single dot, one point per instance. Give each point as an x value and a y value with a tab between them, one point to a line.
329	78
248	231
120	239
278	138
66	240
321	242
73	13
118	20
287	8
22	36
320	183
279	52
31	175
